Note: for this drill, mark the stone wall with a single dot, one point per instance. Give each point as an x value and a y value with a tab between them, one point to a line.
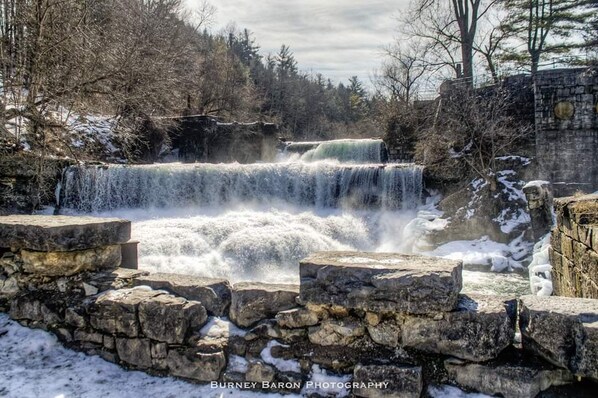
205	139
574	247
389	324
567	129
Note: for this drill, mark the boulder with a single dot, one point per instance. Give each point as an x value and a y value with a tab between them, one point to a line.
507	380
478	330
213	294
62	233
258	371
191	364
115	311
58	263
373	381
562	330
253	302
336	332
381	282
136	352
170	319
385	333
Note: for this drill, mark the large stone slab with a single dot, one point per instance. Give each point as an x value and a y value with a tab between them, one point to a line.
253	302
563	330
509	380
373	381
62	233
214	294
59	263
478	330
381	282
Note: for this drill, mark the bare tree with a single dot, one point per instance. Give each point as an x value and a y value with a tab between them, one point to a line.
402	71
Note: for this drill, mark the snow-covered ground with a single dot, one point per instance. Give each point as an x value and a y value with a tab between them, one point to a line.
34	364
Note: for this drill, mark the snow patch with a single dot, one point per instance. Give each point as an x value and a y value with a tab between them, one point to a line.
321	377
284	365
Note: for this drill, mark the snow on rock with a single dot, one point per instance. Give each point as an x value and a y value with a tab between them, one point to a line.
217	327
540	277
41	367
284	365
536	183
324	383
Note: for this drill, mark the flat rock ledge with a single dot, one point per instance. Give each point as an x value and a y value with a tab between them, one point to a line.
253	302
214	294
381	282
562	330
61	233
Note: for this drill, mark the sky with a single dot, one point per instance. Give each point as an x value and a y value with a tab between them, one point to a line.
338	38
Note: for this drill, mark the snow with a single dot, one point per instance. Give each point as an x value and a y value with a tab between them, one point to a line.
41	367
540	277
524	161
536	183
446	391
284	365
320	378
217	327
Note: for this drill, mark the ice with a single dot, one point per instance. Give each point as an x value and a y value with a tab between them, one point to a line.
540	277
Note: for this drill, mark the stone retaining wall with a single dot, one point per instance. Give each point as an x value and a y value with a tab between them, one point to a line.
574	247
390	324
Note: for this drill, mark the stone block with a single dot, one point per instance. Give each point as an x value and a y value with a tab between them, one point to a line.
214	294
62	233
136	352
381	282
297	318
129	255
374	381
91	337
115	311
478	330
385	333
253	302
72	262
336	332
258	371
170	319
504	379
194	365
562	330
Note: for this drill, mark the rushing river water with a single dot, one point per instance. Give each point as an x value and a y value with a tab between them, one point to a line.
255	221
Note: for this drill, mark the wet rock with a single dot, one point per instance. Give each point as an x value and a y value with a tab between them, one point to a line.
508	380
478	330
135	352
194	365
385	333
253	302
170	319
562	330
61	233
381	282
72	262
297	318
213	294
390	380
336	332
115	311
258	371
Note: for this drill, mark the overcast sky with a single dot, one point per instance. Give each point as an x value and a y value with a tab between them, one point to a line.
338	38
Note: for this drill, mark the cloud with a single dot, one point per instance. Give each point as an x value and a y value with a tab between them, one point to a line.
338	38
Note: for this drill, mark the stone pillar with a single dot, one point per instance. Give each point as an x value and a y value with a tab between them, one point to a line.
539	203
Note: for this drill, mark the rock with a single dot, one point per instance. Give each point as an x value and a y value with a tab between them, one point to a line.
385	333
28	307
562	330
91	337
194	365
134	352
336	332
115	311
159	350
62	233
507	380
381	282
170	319
89	289
74	318
478	331
297	318
258	371
69	263
213	294
401	381
120	278
253	302
9	286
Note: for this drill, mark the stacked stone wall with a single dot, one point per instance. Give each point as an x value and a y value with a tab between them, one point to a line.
390	324
574	247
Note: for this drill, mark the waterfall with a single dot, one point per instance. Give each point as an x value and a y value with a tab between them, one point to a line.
318	184
346	151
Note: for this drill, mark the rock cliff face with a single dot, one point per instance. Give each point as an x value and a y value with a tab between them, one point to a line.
390	324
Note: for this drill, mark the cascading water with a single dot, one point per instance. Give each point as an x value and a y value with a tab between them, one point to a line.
346	151
256	221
